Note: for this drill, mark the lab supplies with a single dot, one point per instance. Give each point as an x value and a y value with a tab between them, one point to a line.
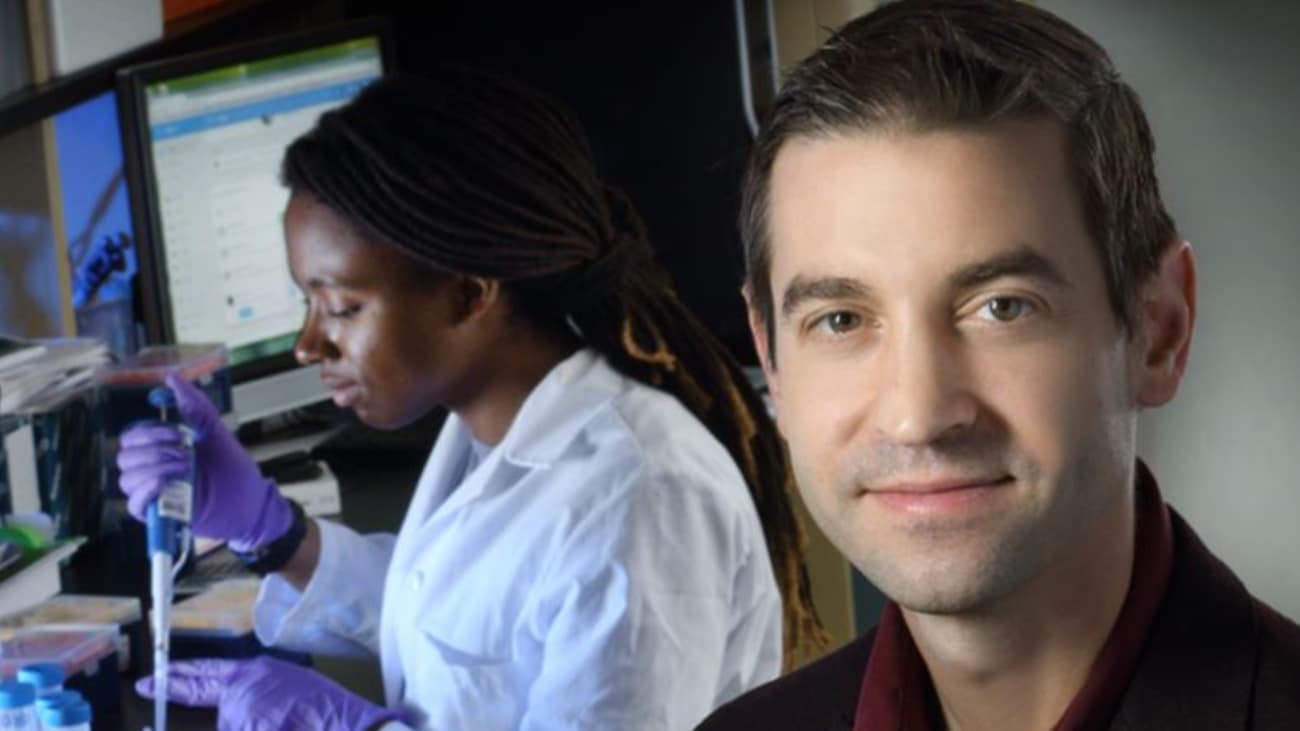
71	716
167	523
72	611
73	650
63	366
87	656
62	697
34	578
126	385
45	677
17	706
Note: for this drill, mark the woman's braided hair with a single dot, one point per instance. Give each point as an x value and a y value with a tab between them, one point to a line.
472	173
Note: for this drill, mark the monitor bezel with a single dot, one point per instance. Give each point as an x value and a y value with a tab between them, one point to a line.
152	288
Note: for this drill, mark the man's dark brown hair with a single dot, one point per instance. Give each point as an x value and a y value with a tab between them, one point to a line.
920	65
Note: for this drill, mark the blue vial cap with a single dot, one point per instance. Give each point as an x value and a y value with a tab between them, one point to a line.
57	698
162	397
41	675
68	714
16	695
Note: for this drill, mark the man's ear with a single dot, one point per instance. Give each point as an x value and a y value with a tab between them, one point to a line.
758	331
1166	316
473	297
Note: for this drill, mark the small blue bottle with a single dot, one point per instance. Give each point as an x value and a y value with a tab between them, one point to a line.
45	677
72	716
17	706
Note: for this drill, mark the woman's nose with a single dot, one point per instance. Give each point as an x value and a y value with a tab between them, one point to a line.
313	346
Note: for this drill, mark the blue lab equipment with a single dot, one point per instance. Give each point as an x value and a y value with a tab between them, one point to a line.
71	716
17	706
167	518
45	677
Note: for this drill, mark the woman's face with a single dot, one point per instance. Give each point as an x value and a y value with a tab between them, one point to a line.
384	335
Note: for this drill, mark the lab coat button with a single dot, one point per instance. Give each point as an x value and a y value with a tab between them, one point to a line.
417	580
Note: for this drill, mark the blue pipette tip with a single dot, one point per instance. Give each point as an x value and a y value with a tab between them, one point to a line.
161	397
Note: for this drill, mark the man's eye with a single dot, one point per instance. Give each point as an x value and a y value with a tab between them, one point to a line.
838	323
1006	309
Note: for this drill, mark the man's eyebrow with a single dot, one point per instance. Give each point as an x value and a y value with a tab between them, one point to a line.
802	289
1021	262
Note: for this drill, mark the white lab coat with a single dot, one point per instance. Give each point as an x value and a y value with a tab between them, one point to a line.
602	568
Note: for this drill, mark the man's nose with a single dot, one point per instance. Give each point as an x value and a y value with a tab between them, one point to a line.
923	390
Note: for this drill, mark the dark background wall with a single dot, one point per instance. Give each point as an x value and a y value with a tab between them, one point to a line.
657	86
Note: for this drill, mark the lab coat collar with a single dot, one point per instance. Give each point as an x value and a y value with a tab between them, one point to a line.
551	417
559	407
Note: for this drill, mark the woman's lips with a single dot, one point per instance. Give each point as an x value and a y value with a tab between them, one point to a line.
343	392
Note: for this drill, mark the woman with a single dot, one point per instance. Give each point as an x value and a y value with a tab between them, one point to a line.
585	547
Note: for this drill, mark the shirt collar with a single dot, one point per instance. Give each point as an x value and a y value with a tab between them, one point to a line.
896	691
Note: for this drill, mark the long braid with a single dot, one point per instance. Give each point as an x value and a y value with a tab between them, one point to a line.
472	173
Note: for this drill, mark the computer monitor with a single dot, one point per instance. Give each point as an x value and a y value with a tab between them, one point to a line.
205	135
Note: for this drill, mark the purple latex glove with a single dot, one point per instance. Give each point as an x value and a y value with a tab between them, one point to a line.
232	500
265	693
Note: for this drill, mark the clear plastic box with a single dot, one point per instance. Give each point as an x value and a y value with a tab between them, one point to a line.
126	385
75	650
150	366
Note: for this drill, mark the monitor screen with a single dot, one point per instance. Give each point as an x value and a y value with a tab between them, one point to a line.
209	135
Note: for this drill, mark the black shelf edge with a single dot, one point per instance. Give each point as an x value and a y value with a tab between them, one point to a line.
36	102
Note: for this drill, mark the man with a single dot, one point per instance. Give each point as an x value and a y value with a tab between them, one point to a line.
964	287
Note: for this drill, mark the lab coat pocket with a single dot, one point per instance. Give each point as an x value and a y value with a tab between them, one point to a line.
479	678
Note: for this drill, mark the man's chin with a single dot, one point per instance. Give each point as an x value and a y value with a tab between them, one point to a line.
960	580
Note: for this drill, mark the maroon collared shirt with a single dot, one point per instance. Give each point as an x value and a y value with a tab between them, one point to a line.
896	691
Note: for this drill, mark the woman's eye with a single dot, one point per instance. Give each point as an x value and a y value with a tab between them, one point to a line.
839	322
344	313
1006	309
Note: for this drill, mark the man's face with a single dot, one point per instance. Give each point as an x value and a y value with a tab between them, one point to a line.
950	378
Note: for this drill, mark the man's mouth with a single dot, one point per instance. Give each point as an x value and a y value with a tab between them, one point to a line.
938	496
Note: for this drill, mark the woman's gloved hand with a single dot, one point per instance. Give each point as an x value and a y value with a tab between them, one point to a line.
265	693
232	500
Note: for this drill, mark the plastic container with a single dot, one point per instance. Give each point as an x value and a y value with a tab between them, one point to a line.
126	385
73	650
87	611
17	706
73	716
46	677
88	658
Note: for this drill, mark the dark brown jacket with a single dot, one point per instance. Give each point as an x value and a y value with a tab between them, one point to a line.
1216	658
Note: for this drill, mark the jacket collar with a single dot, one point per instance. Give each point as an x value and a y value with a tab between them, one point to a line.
1199	664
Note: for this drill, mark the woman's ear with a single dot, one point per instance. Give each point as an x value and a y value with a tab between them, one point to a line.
1165	318
474	297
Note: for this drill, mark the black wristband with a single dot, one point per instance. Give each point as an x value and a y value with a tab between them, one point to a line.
273	556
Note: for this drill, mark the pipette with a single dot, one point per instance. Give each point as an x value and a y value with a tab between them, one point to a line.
167	522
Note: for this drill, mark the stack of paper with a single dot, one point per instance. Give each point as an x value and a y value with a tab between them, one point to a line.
35	374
